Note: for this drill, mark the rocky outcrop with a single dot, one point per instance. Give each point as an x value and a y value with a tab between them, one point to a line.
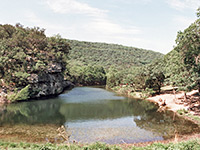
49	83
42	84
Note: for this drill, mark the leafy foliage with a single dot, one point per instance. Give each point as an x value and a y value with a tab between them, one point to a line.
24	51
188	45
116	61
155	81
23	94
180	67
110	54
87	74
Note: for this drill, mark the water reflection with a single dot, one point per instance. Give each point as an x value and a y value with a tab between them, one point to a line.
98	115
35	112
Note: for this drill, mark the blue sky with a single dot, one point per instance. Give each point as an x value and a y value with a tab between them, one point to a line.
149	24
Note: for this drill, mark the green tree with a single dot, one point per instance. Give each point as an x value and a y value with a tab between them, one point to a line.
188	45
155	81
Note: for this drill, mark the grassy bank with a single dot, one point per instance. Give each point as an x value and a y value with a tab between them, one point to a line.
189	145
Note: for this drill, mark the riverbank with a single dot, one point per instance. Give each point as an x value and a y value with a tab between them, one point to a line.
48	92
173	102
182	104
167	100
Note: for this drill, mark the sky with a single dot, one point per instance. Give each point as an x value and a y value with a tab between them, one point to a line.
148	24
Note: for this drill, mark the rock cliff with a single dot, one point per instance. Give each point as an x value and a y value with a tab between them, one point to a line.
44	84
49	83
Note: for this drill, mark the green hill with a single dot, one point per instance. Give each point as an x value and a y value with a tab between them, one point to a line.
90	63
110	54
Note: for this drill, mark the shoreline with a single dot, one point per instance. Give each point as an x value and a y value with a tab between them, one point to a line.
165	101
176	104
172	101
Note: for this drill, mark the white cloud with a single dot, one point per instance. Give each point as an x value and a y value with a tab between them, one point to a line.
98	23
73	7
183	4
105	26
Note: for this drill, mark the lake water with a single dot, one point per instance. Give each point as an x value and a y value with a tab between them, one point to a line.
90	114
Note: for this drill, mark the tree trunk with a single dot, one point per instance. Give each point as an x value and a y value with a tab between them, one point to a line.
159	89
185	96
174	92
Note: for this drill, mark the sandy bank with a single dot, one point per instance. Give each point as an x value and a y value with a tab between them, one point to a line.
172	101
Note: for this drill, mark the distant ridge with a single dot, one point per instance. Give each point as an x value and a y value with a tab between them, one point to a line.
105	54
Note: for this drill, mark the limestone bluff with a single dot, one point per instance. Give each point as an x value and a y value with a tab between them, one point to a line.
32	65
49	83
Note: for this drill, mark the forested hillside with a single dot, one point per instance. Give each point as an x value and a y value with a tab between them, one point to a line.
110	54
100	63
33	65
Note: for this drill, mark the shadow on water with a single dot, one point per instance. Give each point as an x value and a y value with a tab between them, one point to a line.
93	114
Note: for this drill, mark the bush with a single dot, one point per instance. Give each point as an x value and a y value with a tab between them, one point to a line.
23	94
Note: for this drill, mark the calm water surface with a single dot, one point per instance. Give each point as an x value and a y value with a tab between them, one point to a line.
90	115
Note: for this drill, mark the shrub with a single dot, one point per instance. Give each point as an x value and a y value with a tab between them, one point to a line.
23	94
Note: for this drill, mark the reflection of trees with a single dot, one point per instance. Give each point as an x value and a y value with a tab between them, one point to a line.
160	123
105	110
42	112
58	112
141	107
163	124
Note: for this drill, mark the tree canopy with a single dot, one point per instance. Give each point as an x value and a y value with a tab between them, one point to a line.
24	51
188	45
